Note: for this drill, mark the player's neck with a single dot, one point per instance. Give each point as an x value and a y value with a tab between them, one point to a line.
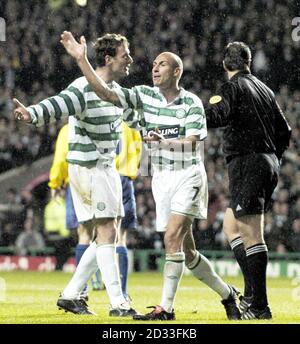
231	74
105	74
170	93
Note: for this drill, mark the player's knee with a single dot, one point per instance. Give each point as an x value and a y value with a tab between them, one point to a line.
170	237
172	241
84	234
230	233
84	239
121	238
252	237
106	234
252	240
230	226
228	229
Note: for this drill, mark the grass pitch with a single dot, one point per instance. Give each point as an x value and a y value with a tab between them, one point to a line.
30	298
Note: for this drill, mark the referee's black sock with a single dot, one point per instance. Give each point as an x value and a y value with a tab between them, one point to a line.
257	260
238	249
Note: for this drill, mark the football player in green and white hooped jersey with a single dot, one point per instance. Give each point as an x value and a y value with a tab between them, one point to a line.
179	182
94	131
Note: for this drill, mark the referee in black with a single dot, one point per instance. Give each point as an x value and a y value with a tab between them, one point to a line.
255	136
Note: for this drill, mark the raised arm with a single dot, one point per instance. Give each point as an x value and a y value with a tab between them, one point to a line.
78	52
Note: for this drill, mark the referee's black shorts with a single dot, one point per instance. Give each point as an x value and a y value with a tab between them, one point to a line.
252	180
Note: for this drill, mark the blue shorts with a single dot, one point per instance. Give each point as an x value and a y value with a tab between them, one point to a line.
129	221
71	218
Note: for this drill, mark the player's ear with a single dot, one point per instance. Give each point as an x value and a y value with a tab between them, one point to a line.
224	66
107	60
177	72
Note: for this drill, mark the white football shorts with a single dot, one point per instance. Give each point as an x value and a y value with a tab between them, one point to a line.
183	192
96	192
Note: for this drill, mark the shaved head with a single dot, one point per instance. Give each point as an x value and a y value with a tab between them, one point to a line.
167	70
172	58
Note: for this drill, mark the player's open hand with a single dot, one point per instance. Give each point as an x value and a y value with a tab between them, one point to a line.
154	136
76	49
20	112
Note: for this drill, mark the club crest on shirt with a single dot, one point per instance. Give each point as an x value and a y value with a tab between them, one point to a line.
180	113
101	206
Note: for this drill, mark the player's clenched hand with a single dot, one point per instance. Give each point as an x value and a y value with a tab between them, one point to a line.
57	194
20	112
75	49
154	136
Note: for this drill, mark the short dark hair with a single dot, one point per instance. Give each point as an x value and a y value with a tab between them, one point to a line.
107	45
237	55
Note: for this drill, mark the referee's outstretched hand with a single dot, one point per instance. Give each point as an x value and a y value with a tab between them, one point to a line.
20	112
73	48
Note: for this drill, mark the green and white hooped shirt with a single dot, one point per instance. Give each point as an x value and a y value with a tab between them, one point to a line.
181	118
94	125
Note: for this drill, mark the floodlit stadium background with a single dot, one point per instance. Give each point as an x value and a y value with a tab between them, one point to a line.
33	65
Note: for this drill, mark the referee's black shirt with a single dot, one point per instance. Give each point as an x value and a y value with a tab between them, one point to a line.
253	120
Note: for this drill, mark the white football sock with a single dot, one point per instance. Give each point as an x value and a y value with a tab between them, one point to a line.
173	270
203	270
84	271
106	258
